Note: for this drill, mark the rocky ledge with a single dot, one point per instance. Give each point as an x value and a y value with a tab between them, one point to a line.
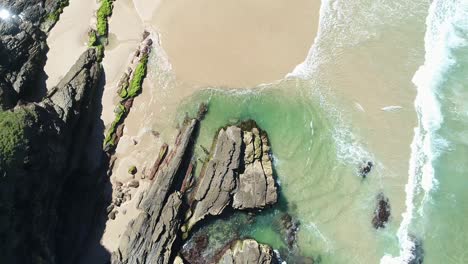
54	133
150	237
239	174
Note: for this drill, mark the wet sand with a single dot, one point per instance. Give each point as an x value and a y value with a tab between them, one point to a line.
67	40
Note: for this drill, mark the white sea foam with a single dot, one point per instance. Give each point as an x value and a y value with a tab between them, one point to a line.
359	106
392	108
439	40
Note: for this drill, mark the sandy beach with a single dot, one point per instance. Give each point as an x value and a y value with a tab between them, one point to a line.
67	40
236	43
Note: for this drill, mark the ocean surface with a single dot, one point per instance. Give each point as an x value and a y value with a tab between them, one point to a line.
385	81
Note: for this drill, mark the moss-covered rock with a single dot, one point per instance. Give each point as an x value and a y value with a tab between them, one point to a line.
13	141
103	14
136	83
132	170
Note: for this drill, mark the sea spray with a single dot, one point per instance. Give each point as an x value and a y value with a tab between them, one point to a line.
426	144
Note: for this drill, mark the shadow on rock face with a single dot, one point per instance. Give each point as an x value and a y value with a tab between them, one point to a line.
86	195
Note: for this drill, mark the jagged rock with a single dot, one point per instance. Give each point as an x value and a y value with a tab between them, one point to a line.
23	49
149	238
71	90
247	251
224	181
56	136
219	181
382	212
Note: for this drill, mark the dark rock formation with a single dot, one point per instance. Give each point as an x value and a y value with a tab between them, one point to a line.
150	237
32	188
289	228
23	49
239	173
382	212
247	251
365	169
417	251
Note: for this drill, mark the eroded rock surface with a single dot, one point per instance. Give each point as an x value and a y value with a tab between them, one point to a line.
248	251
239	173
150	237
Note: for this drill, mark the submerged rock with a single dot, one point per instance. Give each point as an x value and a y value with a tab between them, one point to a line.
382	212
248	251
366	168
289	229
417	251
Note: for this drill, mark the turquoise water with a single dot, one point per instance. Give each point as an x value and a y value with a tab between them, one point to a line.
326	119
317	187
441	139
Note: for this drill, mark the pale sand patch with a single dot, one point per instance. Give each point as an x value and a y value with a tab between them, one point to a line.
239	43
67	40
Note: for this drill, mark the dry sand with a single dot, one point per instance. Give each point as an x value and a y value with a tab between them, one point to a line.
67	40
239	43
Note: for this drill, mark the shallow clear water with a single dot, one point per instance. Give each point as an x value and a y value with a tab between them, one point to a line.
327	118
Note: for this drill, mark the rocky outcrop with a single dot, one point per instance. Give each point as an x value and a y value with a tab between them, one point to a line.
150	237
23	48
256	187
239	174
248	251
382	212
31	189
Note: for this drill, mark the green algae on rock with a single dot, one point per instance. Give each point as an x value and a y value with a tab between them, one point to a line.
130	86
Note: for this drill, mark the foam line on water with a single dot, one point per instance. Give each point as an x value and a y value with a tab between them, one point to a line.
425	148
